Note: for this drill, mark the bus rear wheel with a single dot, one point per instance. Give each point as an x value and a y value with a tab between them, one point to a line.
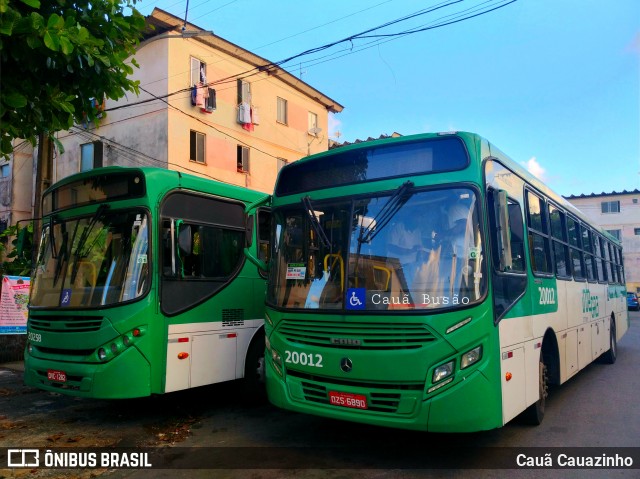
534	414
610	356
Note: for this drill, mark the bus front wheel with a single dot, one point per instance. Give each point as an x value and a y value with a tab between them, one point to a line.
254	390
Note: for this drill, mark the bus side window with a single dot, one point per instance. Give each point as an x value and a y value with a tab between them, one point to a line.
509	278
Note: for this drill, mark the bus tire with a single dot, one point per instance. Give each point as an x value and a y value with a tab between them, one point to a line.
534	414
253	385
610	356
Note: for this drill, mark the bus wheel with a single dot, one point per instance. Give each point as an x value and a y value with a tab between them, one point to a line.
534	414
253	390
610	356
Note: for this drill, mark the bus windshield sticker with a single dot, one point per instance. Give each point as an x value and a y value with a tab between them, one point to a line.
296	271
65	299
356	298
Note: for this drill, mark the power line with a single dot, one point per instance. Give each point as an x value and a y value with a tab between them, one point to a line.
268	68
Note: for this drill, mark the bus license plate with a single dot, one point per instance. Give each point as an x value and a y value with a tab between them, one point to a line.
57	376
356	401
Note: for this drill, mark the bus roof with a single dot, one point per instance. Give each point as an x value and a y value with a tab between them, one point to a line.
475	143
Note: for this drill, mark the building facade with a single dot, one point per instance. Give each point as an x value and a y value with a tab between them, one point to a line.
17	183
619	214
207	107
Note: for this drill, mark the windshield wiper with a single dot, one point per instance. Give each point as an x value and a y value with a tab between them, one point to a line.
52	238
79	252
315	224
62	254
386	213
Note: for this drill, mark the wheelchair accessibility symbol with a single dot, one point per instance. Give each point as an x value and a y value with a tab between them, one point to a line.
65	299
356	298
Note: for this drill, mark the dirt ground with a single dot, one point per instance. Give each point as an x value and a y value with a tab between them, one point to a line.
30	418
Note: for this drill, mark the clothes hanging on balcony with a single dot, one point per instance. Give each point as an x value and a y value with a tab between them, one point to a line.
244	113
210	101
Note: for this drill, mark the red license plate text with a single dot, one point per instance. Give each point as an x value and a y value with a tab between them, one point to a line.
57	376
356	401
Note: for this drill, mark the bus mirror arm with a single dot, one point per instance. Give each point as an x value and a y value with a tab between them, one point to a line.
258	262
503	233
257	204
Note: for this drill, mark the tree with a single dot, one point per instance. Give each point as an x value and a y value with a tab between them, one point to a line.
18	261
59	60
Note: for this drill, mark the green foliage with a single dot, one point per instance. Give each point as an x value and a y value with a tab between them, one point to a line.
18	261
56	55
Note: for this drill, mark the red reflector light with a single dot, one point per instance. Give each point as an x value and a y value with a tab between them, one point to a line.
183	340
136	332
510	354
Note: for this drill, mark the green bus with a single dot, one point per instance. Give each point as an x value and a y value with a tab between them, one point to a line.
142	285
429	282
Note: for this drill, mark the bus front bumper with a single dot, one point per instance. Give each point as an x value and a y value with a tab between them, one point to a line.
470	405
125	376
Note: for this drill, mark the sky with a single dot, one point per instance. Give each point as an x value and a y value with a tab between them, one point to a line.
555	84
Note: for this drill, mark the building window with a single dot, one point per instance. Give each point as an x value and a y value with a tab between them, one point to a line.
636	231
5	171
196	146
244	92
90	156
282	111
313	124
610	206
617	234
281	163
198	72
243	159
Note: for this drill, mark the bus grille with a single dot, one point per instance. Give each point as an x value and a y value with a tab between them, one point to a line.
334	334
382	397
65	324
232	317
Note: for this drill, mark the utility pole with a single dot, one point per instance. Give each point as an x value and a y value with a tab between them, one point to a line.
44	174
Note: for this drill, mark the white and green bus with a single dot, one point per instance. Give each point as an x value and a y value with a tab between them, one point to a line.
148	281
429	282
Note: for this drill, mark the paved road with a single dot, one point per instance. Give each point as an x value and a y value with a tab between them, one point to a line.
597	408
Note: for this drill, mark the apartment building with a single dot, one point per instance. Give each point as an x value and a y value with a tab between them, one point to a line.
207	107
619	214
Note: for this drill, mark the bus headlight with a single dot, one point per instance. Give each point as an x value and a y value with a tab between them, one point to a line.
102	354
442	372
275	356
471	357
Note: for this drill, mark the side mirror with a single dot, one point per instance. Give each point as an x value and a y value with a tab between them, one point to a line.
20	244
184	239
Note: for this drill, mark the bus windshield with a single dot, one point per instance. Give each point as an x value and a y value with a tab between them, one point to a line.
408	250
92	261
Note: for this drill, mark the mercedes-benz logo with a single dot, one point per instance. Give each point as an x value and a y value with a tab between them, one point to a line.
346	365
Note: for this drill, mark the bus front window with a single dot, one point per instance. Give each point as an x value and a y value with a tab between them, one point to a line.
425	252
93	261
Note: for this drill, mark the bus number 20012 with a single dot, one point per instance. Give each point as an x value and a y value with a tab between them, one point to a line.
304	359
547	295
